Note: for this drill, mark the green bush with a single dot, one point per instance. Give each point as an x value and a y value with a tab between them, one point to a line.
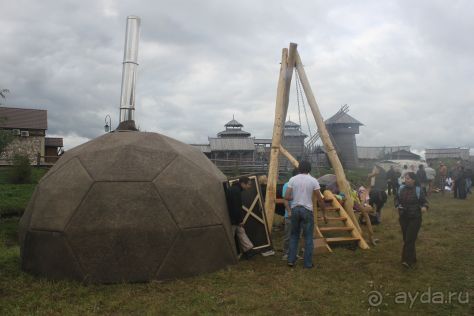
21	171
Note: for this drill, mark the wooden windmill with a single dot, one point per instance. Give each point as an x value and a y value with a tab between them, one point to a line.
291	60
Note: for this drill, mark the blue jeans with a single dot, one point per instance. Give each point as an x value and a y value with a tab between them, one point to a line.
301	218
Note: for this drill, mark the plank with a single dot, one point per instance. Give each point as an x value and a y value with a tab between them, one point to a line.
336	229
341	239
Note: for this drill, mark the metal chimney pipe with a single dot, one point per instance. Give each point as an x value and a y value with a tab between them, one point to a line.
129	74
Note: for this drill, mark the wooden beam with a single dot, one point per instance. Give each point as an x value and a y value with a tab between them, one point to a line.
289	156
342	182
364	210
281	107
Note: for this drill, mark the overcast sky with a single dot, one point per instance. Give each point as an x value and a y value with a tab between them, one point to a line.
405	68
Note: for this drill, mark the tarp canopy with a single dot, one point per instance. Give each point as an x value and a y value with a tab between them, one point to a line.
329	181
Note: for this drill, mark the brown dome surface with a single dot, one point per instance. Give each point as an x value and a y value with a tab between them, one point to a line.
128	207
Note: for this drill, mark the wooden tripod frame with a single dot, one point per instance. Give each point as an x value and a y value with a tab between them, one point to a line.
290	60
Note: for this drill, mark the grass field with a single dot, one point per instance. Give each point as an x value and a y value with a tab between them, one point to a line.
340	284
15	197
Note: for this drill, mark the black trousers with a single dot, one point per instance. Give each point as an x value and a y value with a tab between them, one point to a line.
410	228
392	187
377	199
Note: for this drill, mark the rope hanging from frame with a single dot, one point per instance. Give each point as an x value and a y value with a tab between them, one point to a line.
299	95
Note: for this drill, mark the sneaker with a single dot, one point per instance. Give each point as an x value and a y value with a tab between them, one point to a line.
312	266
284	258
299	257
291	264
406	265
268	253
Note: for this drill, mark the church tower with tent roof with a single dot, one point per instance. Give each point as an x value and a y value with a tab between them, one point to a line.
342	128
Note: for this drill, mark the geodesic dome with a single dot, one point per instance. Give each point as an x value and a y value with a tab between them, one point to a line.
128	207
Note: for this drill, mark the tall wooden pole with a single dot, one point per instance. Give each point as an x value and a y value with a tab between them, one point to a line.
342	182
281	107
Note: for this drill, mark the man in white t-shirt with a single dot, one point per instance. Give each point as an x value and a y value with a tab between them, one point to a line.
300	192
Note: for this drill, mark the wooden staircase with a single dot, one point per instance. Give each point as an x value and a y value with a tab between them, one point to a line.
339	229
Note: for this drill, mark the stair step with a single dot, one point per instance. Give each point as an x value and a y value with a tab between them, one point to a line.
341	239
340	218
330	208
335	229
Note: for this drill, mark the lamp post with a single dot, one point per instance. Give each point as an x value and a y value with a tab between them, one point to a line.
108	124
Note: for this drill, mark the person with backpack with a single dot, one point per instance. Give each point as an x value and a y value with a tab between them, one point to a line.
411	203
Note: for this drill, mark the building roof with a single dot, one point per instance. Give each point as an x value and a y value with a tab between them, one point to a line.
435	153
291	124
233	132
364	152
262	141
293	133
53	142
293	130
233	123
226	144
23	118
204	148
233	129
342	118
402	154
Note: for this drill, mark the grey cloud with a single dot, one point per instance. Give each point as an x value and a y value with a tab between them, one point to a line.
405	68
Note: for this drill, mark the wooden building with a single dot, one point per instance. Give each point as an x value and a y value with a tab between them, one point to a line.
28	127
293	142
447	153
342	129
369	155
234	149
53	149
233	143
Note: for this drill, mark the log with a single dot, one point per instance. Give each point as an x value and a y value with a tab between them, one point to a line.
330	150
342	182
289	156
281	106
365	213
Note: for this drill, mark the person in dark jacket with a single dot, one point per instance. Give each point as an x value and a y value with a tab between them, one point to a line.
377	195
392	181
422	178
411	203
234	202
460	183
